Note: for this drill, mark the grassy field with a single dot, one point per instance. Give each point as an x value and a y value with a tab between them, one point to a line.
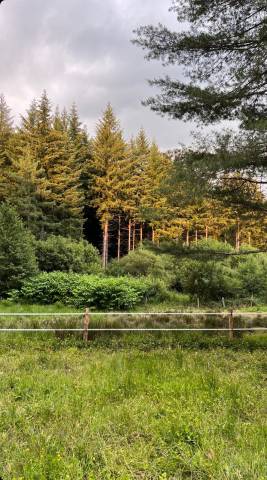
135	409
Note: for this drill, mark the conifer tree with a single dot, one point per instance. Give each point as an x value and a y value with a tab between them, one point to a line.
138	155
27	189
65	119
44	116
63	176
155	206
81	147
6	146
17	256
109	152
51	155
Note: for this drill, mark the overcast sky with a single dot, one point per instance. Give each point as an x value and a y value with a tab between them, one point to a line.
80	50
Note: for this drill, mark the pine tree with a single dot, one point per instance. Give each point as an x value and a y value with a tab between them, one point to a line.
65	119
155	205
75	128
17	256
44	142
44	116
27	189
81	147
134	186
6	145
109	151
222	47
64	189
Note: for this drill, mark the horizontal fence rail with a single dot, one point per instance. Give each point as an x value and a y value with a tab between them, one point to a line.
134	329
136	314
86	315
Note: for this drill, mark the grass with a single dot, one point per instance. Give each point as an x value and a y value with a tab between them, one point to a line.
7	306
179	302
131	406
131	409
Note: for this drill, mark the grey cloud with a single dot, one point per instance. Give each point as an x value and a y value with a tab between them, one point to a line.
80	50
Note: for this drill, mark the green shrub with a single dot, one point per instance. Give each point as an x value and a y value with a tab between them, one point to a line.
143	262
212	245
209	280
17	257
88	290
58	253
252	271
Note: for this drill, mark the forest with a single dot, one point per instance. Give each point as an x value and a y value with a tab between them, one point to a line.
77	196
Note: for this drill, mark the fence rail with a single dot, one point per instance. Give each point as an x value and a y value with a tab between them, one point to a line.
135	314
86	316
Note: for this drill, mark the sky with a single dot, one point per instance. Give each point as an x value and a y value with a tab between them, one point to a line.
80	51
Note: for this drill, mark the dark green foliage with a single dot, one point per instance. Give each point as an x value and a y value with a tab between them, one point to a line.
209	280
252	272
143	262
204	249
212	270
222	47
67	255
88	291
17	258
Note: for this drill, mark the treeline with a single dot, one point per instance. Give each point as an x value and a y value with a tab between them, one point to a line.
56	175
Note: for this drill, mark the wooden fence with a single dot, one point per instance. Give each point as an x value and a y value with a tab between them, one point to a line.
85	316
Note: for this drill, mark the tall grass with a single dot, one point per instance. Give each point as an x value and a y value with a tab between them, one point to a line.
94	413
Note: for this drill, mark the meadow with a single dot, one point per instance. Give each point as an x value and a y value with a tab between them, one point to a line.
149	407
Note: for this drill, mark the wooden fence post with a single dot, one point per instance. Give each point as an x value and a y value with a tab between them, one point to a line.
86	320
231	325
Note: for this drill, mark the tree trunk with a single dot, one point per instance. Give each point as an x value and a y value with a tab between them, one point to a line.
153	235
187	238
207	232
119	239
134	236
238	236
249	238
129	235
105	245
196	235
141	233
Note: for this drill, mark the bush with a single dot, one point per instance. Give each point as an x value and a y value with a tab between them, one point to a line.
212	245
252	271
17	257
87	291
209	280
143	262
58	253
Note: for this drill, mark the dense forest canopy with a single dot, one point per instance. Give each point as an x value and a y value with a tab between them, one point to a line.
62	181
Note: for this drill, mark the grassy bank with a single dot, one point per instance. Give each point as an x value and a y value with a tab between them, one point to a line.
179	303
105	413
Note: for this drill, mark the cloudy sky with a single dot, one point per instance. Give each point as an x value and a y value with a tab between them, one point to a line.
80	50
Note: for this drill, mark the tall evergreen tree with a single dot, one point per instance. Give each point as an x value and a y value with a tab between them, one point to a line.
109	151
137	162
27	189
6	145
63	176
155	205
81	148
17	256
